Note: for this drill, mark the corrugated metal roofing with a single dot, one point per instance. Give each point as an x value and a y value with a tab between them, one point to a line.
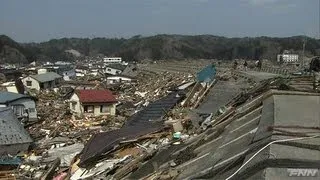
11	130
49	76
6	97
144	122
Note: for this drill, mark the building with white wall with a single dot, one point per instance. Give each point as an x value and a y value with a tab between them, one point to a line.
112	60
81	71
119	79
10	87
93	102
42	81
115	69
288	58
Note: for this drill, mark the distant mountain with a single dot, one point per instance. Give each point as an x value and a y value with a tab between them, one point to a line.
11	51
156	47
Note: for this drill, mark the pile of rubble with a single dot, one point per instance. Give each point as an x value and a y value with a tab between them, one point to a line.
59	136
152	86
226	75
151	115
55	119
58	132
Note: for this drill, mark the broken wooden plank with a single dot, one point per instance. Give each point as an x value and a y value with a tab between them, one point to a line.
50	172
202	94
191	94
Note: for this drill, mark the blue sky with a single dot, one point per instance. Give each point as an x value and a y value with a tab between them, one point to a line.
41	20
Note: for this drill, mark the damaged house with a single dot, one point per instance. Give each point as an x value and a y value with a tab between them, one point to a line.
114	69
119	79
131	70
13	86
81	71
92	101
22	105
42	81
13	137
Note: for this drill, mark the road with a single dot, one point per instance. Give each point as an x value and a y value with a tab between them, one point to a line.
259	76
222	92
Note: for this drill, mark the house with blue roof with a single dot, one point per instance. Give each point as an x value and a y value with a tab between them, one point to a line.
42	81
24	106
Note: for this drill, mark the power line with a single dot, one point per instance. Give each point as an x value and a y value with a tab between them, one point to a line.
275	141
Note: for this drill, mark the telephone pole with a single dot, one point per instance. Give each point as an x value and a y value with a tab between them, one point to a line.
304	45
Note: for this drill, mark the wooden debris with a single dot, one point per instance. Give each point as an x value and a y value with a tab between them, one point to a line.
51	171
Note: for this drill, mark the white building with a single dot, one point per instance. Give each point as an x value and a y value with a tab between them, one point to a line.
112	60
115	69
93	102
94	72
288	58
10	87
42	81
119	79
81	71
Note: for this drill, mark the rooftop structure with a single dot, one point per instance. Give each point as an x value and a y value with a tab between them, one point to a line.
46	77
13	137
7	97
112	59
95	96
24	106
42	81
93	101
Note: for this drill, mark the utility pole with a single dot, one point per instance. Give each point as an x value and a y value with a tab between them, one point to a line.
304	45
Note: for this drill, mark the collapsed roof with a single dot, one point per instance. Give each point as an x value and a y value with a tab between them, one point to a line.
253	139
117	66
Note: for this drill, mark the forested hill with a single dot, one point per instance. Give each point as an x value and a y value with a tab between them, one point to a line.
156	47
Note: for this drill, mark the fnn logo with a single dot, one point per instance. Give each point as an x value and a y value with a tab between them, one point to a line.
303	172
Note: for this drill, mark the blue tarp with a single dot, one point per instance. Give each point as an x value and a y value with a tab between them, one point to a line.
6	160
207	74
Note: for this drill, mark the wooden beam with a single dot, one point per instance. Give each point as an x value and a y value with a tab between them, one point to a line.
202	94
50	172
191	94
